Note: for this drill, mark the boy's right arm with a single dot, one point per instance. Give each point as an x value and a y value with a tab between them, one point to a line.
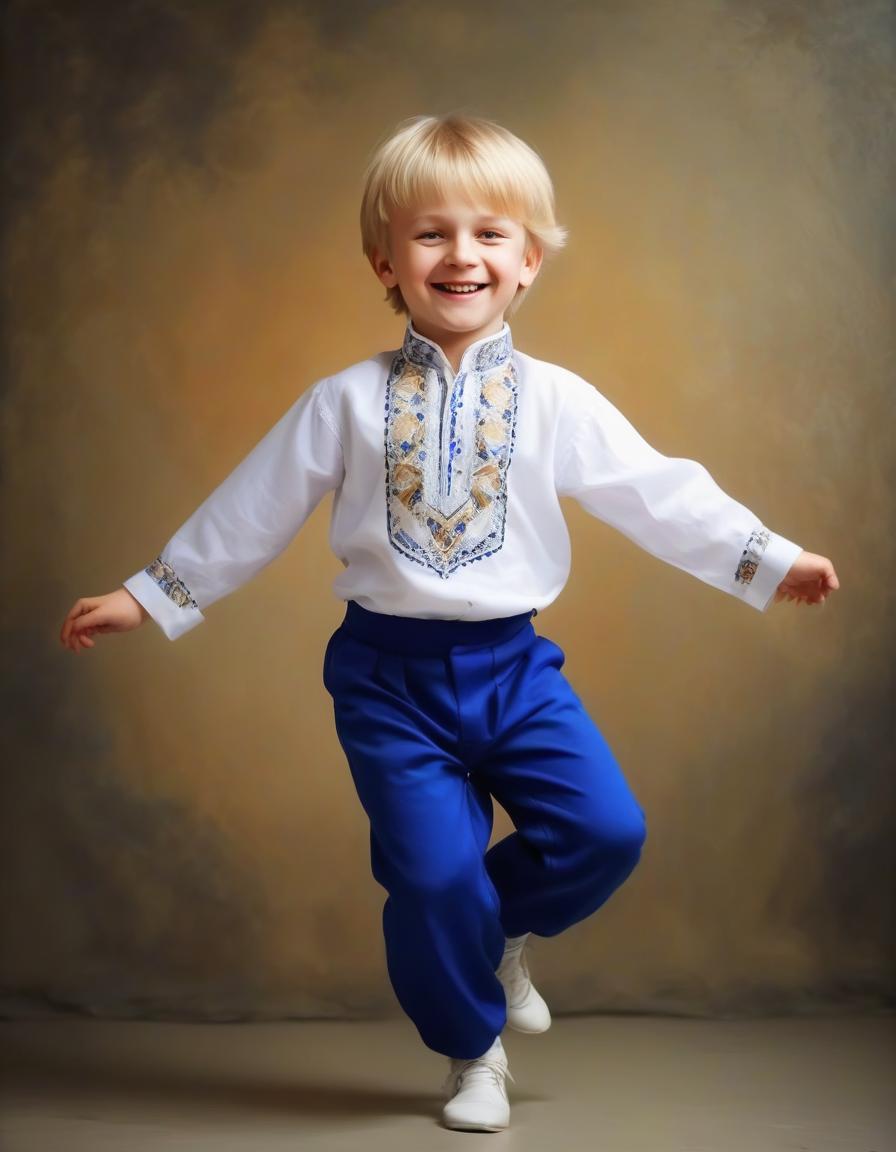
244	524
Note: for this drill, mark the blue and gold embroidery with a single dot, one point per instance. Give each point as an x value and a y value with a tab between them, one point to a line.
170	583
447	455
752	554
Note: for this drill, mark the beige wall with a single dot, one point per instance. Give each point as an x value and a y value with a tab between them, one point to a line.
181	832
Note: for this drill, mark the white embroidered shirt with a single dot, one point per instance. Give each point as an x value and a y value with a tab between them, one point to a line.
446	493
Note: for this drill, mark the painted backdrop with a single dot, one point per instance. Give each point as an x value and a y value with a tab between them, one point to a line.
180	832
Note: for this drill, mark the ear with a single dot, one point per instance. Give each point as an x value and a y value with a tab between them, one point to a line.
531	263
382	266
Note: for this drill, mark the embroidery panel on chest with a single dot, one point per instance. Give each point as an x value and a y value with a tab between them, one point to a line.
447	455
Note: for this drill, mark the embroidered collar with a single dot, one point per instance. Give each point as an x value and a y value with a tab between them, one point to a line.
481	356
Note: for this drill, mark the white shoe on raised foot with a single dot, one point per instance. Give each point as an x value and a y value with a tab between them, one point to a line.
526	1010
477	1093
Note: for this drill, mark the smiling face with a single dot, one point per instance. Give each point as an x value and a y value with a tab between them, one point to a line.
458	267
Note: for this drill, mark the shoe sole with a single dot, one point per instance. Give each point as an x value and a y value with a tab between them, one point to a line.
475	1127
527	1031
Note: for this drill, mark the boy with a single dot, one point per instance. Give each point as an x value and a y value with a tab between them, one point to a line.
447	457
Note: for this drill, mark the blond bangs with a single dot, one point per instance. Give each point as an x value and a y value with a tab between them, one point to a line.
454	172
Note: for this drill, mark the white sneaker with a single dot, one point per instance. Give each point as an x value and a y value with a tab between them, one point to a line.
477	1094
526	1010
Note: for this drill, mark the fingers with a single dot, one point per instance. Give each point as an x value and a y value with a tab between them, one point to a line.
76	632
816	598
828	578
77	639
79	607
802	595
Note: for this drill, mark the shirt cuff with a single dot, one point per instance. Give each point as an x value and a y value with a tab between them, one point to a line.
173	619
775	562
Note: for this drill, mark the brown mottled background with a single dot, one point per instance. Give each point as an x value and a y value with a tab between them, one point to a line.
180	832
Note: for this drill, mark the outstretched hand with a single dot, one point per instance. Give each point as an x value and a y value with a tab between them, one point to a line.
810	580
119	611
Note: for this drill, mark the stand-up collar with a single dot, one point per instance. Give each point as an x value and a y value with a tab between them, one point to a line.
482	355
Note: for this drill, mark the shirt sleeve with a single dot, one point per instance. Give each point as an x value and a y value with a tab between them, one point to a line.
247	520
669	506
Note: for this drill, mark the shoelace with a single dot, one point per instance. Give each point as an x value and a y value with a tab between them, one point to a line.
482	1068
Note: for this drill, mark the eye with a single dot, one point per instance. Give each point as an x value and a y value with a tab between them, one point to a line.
426	235
491	232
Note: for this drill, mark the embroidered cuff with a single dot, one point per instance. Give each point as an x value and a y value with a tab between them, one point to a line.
752	554
165	598
170	583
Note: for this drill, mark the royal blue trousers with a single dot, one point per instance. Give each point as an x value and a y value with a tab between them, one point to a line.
437	717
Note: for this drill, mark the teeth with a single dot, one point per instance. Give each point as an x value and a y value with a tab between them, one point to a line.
460	287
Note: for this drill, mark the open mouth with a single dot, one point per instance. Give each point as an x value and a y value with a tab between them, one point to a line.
459	289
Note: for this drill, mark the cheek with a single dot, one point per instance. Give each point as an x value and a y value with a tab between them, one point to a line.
510	269
419	266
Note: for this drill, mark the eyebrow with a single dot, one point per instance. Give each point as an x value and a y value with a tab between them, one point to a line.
487	218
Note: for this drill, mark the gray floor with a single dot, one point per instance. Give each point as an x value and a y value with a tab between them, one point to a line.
603	1083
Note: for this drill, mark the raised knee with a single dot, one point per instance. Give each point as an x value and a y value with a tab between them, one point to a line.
633	835
622	841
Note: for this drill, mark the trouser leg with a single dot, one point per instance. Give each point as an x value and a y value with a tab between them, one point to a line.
579	829
429	830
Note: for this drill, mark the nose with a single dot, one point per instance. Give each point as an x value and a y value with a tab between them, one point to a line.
461	250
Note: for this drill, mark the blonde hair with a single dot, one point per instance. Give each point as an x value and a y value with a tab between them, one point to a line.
457	153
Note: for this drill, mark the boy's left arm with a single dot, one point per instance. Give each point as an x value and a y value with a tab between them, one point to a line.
674	509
